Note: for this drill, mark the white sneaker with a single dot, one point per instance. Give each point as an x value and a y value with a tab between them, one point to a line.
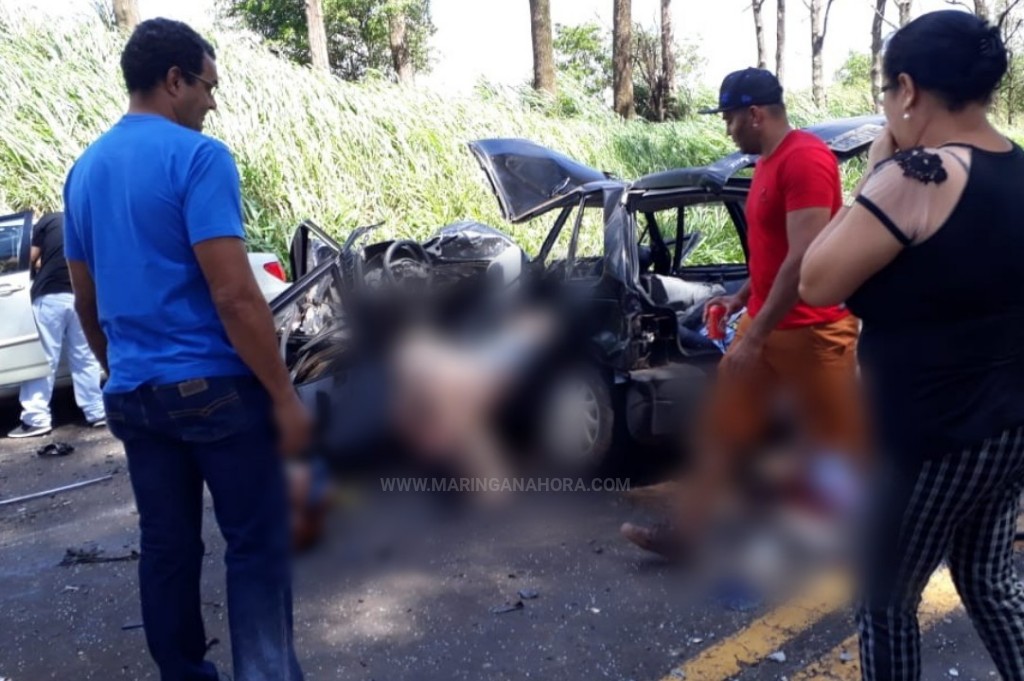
24	430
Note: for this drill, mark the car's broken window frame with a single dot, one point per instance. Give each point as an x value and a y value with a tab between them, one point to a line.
732	198
295	293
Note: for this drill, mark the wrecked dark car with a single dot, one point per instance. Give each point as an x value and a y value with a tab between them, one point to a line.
622	263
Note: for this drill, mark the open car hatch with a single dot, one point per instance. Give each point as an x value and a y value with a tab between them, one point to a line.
529	179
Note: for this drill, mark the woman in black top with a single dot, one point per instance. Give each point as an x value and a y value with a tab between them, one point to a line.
929	255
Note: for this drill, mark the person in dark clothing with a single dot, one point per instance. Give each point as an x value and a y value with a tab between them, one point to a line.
198	392
929	257
53	306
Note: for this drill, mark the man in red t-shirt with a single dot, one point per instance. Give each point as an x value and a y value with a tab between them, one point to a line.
783	346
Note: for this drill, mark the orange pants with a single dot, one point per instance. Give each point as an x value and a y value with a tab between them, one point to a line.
814	369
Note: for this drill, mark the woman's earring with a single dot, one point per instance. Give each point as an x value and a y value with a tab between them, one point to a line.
906	115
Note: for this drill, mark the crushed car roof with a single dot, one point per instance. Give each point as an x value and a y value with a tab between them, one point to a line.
529	179
846	137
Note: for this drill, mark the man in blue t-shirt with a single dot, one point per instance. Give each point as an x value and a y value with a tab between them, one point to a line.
197	390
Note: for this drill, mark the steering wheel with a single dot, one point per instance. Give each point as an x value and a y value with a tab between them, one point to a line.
419	261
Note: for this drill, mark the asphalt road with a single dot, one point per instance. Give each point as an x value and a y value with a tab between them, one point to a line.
406	587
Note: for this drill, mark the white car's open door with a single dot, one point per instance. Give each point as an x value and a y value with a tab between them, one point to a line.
21	355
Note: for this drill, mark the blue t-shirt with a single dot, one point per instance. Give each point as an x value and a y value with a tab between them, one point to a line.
136	202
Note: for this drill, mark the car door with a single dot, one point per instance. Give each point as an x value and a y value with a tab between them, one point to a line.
21	354
309	248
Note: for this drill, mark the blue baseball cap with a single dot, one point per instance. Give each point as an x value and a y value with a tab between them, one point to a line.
749	87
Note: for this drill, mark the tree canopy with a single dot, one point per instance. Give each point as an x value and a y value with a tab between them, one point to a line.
357	31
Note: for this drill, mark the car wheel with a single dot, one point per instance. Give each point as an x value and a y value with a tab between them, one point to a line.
577	421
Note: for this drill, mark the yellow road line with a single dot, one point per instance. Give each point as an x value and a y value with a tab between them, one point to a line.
940	598
767	634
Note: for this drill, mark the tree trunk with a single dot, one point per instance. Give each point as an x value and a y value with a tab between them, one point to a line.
762	56
668	77
983	9
668	52
819	27
400	57
543	46
876	53
780	41
317	35
904	6
1010	88
622	59
126	13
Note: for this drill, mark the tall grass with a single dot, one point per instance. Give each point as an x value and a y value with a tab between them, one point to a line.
307	144
311	146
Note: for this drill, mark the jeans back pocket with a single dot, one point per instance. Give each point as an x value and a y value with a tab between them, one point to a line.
205	410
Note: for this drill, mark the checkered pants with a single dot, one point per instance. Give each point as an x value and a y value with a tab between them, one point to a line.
962	508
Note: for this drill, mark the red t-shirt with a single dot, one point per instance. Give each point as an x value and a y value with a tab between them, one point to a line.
801	173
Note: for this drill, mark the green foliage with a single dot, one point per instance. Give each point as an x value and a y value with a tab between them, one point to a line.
1010	99
584	54
841	102
572	100
309	145
357	31
341	154
855	71
648	83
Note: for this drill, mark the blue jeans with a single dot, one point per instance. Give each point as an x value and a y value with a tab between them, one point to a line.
59	328
217	430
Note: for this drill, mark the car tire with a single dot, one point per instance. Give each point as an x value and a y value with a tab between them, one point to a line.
577	421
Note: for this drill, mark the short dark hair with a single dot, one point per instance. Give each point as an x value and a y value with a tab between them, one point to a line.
953	54
158	44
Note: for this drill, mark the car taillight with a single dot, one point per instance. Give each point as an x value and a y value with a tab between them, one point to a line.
274	269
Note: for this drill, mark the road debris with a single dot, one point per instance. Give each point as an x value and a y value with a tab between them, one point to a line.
55	449
130	627
845	657
779	657
56	490
954	673
737	596
93	554
528	594
502	609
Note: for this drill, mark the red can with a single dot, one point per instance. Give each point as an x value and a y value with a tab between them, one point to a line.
716	316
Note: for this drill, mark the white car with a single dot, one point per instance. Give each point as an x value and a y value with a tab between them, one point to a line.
21	354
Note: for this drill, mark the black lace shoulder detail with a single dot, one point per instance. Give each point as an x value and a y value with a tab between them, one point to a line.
923	166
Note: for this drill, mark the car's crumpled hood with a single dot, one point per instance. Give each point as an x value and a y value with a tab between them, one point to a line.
468	240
